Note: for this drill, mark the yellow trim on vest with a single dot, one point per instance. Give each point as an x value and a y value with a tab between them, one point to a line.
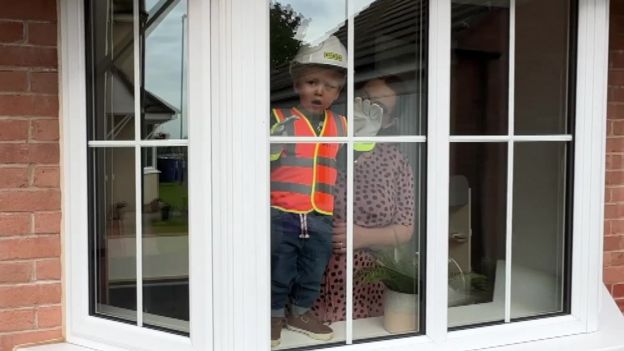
291	211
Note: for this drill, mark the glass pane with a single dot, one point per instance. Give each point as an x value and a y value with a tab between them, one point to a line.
390	65
388	222
113	264
477	233
308	65
480	67
540	209
303	188
542	67
164	34
165	238
111	63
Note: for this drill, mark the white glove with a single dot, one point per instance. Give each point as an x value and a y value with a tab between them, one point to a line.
367	117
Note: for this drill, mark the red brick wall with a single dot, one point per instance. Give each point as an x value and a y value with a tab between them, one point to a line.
30	271
614	192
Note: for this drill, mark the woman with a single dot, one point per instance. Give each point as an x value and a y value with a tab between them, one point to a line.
384	211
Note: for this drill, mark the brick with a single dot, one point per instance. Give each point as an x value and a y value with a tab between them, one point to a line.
13	81
618	290
49	317
11	32
17	320
614	242
613	275
13	177
614	177
9	342
616	94
616	59
42	33
44	82
615	162
48	269
14	224
614	259
29	153
42	10
28	200
616	77
13	130
29	105
28	56
617	127
615	111
620	304
46	177
45	130
617	226
30	294
48	223
616	195
615	143
26	248
16	272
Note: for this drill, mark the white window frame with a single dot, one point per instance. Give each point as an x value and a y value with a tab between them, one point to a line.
96	332
229	180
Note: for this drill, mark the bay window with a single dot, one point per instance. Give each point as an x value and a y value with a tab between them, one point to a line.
461	198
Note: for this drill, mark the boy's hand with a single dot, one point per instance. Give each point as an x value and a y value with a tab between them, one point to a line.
339	240
279	128
367	117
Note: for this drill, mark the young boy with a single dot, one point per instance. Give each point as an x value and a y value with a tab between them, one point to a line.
302	179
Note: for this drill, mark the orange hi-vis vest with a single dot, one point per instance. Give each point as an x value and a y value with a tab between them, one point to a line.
303	177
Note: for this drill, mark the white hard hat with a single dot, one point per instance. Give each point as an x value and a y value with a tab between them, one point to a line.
329	52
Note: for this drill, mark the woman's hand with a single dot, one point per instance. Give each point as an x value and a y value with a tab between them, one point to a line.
369	237
339	240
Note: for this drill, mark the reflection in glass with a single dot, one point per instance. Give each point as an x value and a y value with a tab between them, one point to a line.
480	67
165	238
164	34
387	225
112	70
301	33
477	233
390	45
542	67
114	240
539	244
303	182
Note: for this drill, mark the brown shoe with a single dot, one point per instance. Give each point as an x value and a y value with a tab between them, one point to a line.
309	325
277	323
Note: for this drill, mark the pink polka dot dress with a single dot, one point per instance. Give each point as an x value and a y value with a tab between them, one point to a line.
383	196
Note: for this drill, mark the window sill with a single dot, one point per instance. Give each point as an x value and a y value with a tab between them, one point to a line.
608	338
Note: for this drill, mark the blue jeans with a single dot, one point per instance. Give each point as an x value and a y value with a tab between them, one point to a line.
297	264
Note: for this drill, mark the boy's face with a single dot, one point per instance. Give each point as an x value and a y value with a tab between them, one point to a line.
318	88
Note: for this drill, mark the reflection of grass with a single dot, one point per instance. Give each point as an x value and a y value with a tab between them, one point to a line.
174	194
173	226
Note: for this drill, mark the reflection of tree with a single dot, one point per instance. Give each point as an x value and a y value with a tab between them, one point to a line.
284	24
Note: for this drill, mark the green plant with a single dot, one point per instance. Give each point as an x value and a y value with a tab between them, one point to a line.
396	267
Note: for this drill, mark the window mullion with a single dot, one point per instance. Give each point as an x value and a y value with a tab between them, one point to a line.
350	169
510	158
137	162
438	168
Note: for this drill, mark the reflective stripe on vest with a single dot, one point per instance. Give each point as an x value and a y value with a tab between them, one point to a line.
303	177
